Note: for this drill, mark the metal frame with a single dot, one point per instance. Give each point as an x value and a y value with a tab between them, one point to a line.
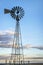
16	13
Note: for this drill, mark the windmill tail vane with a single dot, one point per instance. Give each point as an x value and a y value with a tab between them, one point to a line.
6	11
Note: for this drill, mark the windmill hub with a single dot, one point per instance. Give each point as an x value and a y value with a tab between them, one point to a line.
17	12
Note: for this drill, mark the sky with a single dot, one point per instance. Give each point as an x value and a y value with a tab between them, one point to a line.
31	25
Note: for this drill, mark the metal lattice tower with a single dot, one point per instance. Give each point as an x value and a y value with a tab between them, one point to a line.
17	48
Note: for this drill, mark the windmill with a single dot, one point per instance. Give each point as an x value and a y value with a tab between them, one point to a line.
17	53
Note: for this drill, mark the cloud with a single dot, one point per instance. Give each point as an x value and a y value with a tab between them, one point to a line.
10	32
38	47
6	39
10	45
5	45
6	36
2	57
33	46
26	46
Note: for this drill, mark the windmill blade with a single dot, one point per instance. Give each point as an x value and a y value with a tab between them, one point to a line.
6	11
